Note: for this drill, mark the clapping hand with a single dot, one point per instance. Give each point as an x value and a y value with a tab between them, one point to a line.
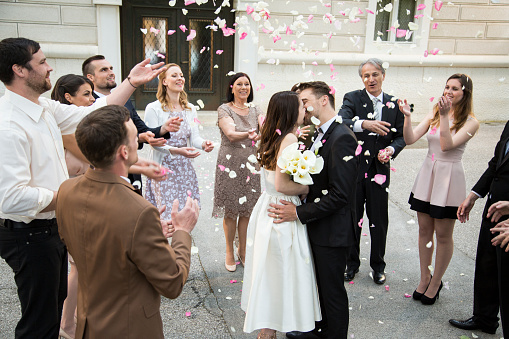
503	238
207	146
404	107
497	210
166	225
252	135
444	105
172	124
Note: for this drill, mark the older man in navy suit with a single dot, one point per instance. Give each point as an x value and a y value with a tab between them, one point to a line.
377	123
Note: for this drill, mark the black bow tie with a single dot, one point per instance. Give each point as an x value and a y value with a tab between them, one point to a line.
318	130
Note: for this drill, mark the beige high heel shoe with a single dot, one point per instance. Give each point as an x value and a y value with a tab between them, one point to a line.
230	268
240	259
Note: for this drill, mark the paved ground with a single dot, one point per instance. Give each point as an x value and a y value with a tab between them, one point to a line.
214	302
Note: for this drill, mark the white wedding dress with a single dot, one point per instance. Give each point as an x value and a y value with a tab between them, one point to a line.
279	290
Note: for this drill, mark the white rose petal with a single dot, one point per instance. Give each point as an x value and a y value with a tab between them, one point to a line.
252	158
316	200
233	174
194	249
428	245
339	119
242	200
430	268
228	156
310	109
411	222
325	192
315	121
348	157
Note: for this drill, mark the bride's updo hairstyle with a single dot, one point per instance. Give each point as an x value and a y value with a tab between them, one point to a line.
281	119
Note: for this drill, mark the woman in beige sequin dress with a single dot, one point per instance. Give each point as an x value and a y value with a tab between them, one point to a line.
440	185
237	183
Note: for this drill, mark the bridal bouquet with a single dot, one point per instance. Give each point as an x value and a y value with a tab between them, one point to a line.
300	164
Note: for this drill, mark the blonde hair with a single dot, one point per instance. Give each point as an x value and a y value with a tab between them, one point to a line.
161	92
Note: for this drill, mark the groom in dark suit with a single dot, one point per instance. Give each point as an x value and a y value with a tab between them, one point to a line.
375	118
329	211
491	278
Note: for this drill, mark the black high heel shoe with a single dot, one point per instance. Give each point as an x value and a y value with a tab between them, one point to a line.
418	295
430	301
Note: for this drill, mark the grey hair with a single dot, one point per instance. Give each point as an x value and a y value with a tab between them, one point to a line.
375	62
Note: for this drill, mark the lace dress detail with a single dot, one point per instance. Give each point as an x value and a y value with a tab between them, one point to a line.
229	188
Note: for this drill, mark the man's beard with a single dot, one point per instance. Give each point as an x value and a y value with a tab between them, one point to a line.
111	85
307	119
39	85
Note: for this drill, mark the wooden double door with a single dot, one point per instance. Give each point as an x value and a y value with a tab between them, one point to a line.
151	29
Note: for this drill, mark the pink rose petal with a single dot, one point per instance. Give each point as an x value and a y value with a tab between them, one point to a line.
418	16
393	169
407	295
189	193
433	131
249	10
431	99
183	28
358	150
243	36
387	288
188	2
438	5
219	52
435	25
278	131
370	11
276	38
262	86
314	63
425	53
435	51
332	69
360	223
197	121
421	7
221	167
171	32
288	30
233	281
154	30
380	178
192	35
400	33
332	90
365	175
433	157
351	282
310	19
188	314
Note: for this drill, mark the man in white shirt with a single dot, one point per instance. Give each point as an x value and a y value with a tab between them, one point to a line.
32	169
378	125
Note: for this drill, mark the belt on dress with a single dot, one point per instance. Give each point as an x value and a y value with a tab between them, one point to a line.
7	223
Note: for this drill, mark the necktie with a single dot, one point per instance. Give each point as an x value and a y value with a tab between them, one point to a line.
315	136
375	108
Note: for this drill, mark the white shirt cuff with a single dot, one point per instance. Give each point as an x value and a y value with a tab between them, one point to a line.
478	195
357	126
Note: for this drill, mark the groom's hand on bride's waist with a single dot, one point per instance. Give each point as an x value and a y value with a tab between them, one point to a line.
284	212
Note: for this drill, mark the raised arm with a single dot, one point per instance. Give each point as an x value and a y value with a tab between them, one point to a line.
283	181
139	75
410	134
227	125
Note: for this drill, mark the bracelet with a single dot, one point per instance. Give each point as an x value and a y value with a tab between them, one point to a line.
129	80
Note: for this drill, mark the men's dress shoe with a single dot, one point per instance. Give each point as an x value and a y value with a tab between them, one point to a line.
472	324
306	335
378	277
350	274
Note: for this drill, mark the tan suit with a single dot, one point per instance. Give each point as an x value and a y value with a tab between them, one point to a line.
124	261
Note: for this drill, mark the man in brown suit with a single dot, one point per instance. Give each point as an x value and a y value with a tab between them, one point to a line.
116	238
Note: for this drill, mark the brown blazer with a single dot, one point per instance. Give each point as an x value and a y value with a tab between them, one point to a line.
124	261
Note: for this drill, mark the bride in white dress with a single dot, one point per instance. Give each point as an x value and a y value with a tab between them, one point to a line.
279	291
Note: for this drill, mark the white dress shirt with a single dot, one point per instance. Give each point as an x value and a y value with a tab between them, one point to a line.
325	126
33	159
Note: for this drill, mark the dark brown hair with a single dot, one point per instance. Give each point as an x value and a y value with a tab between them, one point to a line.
463	109
101	133
69	83
230	96
15	51
87	67
319	89
282	115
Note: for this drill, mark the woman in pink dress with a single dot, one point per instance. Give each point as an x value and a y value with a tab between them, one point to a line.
440	185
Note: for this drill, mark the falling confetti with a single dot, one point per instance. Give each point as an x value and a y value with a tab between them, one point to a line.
428	245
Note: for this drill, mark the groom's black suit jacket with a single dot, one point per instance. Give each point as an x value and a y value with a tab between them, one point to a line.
331	220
